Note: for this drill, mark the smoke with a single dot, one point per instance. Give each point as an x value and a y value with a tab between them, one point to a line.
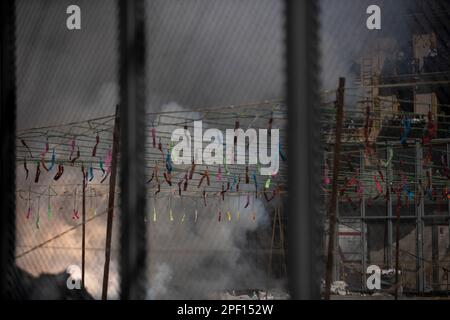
160	280
192	259
196	250
344	37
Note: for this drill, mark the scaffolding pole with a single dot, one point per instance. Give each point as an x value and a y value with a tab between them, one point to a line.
332	214
390	238
363	224
419	222
448	201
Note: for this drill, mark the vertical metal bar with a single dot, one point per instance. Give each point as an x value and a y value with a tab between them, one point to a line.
111	202
419	223
304	228
83	231
363	223
8	150
332	214
435	255
448	201
390	240
336	269
132	125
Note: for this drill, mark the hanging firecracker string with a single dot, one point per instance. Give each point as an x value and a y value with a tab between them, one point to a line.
44	153
233	186
153	137
29	203
37	213
160	148
445	170
269	126
205	175
170	209
219	174
267	197
196	212
248	201
183	217
49	207
25	168
191	172
429	155
75	211
102	167
59	173
267	184
72	148
38	172
378	184
94	150
381	175
168	178
108	164
26	147
405	132
446	193
91	172
430	131
253	211
72	162
169	163
53	161
229	215
158	189
225	166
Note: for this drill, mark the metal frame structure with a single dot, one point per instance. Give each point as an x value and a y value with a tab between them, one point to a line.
303	230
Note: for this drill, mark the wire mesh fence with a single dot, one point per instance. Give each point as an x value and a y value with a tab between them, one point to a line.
215	230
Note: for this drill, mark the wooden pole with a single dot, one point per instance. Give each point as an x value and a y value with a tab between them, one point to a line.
333	202
397	249
83	239
112	191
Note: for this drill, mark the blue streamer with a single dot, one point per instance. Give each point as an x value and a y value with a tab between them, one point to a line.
406	131
91	173
169	166
53	163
